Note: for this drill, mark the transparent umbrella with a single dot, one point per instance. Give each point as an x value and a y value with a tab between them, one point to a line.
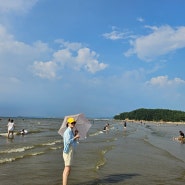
82	125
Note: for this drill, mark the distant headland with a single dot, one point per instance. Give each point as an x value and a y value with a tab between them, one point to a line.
158	115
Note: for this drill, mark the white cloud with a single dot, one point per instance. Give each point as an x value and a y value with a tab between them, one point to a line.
16	5
63	56
163	81
78	57
161	41
45	69
73	56
4	36
117	35
140	19
69	45
88	59
16	56
114	35
10	46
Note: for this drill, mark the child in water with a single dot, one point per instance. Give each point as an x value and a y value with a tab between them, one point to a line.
181	137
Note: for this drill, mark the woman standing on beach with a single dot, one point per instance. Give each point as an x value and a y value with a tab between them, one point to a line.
69	143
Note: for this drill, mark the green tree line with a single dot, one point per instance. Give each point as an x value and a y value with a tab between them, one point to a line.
152	115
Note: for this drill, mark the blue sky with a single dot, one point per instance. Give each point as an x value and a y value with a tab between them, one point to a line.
99	57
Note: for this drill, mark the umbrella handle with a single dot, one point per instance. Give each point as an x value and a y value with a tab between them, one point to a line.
76	131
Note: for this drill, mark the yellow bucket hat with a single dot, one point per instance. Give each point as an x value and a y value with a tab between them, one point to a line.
70	120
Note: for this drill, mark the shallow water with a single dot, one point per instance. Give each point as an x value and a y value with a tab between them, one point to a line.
139	154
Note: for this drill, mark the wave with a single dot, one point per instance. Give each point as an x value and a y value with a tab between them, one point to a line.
100	163
15	150
26	148
12	159
51	143
34	154
96	133
103	160
55	148
4	134
5	160
28	151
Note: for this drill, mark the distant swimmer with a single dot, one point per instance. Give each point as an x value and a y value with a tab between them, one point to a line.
23	132
106	127
181	137
125	125
11	127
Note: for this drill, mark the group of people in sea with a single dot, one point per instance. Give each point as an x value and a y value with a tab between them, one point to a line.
11	127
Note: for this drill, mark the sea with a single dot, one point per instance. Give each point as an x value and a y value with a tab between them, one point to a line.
140	154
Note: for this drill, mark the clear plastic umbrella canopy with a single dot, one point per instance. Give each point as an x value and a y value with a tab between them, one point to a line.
82	125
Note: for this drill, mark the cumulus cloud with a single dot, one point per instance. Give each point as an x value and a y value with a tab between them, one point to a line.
162	40
17	56
8	44
73	56
164	81
45	69
16	5
89	60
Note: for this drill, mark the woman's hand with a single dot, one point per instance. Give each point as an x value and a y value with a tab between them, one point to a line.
77	136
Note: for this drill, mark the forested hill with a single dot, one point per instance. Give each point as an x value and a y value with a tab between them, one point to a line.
153	115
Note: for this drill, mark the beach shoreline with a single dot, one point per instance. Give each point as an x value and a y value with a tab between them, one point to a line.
153	122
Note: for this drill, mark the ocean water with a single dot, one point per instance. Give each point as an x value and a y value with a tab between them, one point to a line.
141	154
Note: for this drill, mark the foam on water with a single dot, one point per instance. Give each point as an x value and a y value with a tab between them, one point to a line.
15	150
